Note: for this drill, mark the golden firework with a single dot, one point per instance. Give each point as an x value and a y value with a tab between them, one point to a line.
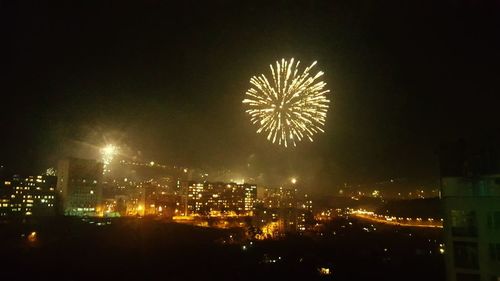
291	107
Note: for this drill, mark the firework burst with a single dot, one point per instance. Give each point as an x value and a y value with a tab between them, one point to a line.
108	154
290	107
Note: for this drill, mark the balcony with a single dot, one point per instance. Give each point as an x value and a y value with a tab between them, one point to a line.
487	186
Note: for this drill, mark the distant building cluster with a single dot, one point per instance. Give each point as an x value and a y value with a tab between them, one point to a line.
79	187
85	191
282	210
216	199
30	196
390	189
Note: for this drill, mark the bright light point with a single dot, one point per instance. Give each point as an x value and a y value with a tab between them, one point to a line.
51	172
293	180
324	271
152	163
107	155
109	149
32	237
441	249
185	170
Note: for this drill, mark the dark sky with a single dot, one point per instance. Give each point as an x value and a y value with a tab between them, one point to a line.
167	79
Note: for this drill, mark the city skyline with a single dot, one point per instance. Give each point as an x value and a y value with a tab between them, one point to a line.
250	140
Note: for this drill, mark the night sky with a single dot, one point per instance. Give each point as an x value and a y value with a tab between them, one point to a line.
168	79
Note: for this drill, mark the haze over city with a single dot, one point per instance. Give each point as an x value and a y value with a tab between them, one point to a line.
167	80
250	140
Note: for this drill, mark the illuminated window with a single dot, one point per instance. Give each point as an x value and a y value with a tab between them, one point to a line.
463	223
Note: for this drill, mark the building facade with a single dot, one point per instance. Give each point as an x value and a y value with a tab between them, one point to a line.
470	192
472	227
79	186
282	210
28	196
217	198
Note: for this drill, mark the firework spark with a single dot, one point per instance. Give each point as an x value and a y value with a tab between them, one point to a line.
290	107
108	153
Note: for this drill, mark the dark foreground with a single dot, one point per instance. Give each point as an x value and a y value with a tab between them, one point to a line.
145	249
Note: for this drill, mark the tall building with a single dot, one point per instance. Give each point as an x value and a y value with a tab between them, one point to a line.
234	196
250	197
280	198
31	196
305	217
195	198
157	200
470	191
207	198
279	207
5	193
78	184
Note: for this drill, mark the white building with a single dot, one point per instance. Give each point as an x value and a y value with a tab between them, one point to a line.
471	198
